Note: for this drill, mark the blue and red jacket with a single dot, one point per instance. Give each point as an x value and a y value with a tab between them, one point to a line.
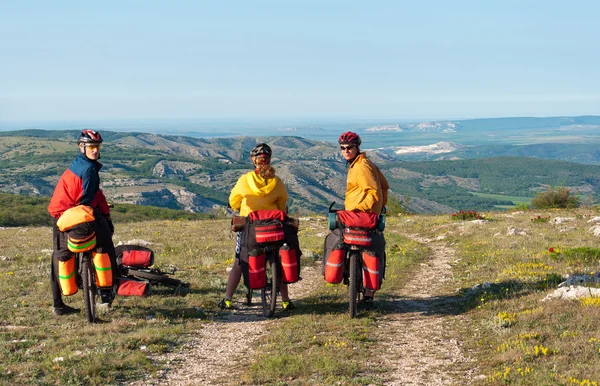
79	185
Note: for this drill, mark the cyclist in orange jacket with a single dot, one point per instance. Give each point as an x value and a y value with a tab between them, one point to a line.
366	190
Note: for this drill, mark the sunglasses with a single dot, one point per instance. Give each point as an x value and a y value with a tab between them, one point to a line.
349	147
94	147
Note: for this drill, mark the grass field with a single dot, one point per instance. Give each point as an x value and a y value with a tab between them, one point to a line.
515	199
499	278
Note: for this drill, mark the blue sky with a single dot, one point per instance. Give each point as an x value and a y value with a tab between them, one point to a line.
119	60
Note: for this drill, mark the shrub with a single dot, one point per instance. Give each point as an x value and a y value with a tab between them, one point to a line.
468	215
396	206
540	219
522	206
555	198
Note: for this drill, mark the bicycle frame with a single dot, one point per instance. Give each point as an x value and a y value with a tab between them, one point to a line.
356	243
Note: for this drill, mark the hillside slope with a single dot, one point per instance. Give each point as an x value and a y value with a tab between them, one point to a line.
197	174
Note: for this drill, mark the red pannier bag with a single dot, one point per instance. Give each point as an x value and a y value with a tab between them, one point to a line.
289	264
334	267
134	256
268	225
131	287
371	269
257	276
360	237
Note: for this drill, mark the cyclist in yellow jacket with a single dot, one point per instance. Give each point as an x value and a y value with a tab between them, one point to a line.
259	189
366	189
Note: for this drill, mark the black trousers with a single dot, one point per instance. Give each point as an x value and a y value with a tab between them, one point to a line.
61	252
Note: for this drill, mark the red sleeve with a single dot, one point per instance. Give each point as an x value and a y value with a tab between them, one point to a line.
102	204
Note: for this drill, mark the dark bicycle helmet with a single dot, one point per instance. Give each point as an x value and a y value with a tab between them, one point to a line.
261	148
350	137
89	136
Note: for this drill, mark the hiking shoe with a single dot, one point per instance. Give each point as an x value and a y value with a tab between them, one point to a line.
367	301
225	304
104	306
288	306
106	296
65	310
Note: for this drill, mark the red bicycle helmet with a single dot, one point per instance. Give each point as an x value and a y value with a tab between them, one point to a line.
260	149
89	136
350	137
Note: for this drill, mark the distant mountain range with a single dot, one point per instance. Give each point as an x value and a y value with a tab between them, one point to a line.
196	174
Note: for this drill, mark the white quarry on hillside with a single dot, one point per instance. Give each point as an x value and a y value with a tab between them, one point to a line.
395	127
436	148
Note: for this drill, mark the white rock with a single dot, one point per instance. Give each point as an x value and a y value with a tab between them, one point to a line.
560	220
573	293
580	279
595	230
511	231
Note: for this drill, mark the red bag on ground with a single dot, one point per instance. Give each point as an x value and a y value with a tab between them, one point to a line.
134	256
131	287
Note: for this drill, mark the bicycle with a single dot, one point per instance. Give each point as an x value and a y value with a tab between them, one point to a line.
135	261
356	230
156	277
265	241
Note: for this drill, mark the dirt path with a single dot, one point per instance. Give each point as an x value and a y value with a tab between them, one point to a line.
220	347
415	340
415	345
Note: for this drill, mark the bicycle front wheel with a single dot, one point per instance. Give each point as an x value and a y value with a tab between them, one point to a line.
154	278
88	279
354	283
269	293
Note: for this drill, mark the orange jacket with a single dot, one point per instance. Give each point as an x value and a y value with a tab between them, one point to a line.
366	187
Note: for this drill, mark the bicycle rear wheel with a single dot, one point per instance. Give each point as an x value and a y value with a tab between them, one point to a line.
269	293
354	283
88	280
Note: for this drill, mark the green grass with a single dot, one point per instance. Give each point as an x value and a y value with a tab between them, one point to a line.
517	338
513	337
515	199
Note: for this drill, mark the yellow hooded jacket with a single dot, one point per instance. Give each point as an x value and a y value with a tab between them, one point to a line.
366	187
252	192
